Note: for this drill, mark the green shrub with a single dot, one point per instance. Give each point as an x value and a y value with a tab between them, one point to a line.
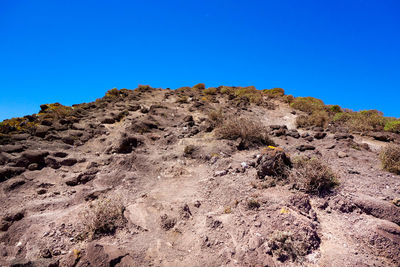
274	92
112	93
334	108
313	176
249	92
390	158
363	121
308	104
227	90
250	133
288	99
393	126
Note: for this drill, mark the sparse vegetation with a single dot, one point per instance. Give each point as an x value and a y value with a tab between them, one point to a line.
313	176
189	150
390	158
182	99
103	217
308	104
199	86
248	132
210	91
285	246
216	117
274	92
253	204
392	126
363	121
318	118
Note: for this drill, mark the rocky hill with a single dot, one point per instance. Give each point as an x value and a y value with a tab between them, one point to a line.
227	176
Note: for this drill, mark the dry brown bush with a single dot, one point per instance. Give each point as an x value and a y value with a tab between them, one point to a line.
317	118
313	176
390	158
249	132
103	217
285	246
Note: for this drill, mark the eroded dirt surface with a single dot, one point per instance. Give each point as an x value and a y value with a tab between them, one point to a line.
189	210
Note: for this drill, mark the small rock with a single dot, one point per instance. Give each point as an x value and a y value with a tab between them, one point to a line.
220	173
33	167
320	135
42	191
342	154
309	138
303	148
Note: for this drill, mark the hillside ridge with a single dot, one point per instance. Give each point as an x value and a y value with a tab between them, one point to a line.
228	176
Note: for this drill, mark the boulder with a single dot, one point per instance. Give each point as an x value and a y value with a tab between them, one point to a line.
273	163
303	148
384	137
339	136
293	133
32	156
319	135
126	144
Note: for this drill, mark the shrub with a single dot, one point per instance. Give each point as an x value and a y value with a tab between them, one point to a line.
182	99
253	204
313	176
189	150
199	86
390	158
18	125
274	92
393	126
103	217
112	93
284	246
216	117
288	99
250	133
227	90
317	118
249	92
210	91
334	108
363	121
308	104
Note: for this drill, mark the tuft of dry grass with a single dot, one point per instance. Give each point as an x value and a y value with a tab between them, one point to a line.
284	246
317	118
253	204
189	150
103	217
313	176
390	158
250	133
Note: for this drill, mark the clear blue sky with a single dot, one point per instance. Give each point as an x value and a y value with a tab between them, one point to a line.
345	52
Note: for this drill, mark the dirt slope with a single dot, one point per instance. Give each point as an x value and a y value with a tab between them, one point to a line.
186	194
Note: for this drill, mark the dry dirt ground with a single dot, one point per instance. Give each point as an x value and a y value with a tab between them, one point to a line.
189	209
